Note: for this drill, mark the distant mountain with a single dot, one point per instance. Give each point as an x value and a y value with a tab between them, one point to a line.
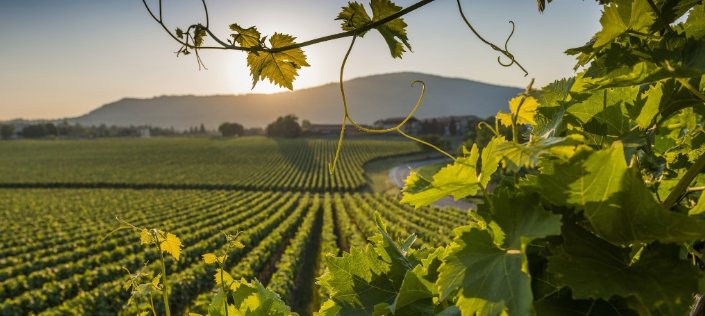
369	99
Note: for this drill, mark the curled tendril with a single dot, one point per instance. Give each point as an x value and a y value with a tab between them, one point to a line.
346	116
511	57
504	51
479	126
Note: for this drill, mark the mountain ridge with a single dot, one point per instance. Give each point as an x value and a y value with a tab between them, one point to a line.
369	98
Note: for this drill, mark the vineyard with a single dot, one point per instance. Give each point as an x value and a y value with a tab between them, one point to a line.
194	163
53	263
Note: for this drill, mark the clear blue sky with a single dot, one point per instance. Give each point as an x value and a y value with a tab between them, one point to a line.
64	58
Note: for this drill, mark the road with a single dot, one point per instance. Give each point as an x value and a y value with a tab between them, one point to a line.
399	173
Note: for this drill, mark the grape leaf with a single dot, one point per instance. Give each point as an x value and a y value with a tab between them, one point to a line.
280	68
393	32
171	244
525	114
354	16
594	268
490	160
696	23
146	237
459	180
663	100
380	280
253	299
614	199
516	156
248	37
217	305
603	117
621	16
492	277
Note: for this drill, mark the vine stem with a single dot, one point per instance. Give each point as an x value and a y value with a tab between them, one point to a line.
359	30
222	285
682	185
692	89
165	296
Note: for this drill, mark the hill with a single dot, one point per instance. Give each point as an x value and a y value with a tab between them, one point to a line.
369	98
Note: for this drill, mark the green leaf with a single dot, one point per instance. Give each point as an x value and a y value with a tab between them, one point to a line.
603	117
491	277
663	100
146	237
280	68
172	245
696	23
459	180
354	16
229	281
516	156
621	16
615	200
381	280
394	31
524	108
490	159
248	37
253	299
594	268
217	306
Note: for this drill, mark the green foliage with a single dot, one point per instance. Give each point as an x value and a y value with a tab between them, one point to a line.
231	129
285	126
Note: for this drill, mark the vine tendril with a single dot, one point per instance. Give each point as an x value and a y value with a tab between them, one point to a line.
346	116
504	51
479	126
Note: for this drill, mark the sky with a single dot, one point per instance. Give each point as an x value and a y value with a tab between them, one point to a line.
64	58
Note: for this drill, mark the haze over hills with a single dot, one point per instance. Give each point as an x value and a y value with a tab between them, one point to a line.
369	99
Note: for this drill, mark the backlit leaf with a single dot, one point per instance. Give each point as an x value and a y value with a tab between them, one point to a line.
280	68
172	245
354	16
615	200
524	108
246	37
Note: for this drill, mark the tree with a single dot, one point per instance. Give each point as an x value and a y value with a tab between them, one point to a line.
285	126
231	129
7	130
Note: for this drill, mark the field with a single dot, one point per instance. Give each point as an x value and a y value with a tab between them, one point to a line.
252	163
52	264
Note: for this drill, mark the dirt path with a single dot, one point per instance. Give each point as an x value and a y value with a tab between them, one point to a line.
399	173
